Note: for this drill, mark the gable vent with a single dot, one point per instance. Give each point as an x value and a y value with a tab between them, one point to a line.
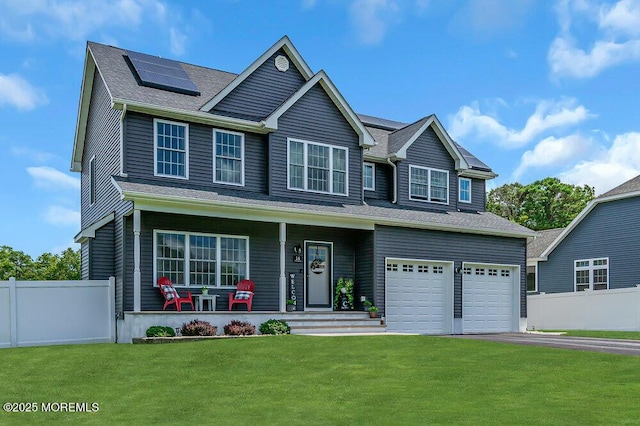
282	63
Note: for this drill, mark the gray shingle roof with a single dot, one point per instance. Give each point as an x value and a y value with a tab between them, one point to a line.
399	137
122	83
543	239
479	223
632	185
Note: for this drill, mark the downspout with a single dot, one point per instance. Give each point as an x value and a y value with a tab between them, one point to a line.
395	180
124	113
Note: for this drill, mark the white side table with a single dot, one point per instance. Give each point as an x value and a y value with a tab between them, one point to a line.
201	298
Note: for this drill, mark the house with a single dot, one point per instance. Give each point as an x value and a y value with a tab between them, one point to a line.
597	250
209	177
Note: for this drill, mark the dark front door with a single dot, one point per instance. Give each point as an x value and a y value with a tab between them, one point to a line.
318	275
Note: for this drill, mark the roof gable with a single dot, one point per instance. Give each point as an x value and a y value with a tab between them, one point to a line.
629	189
321	78
285	44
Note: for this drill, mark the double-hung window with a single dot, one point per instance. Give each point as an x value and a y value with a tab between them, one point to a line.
228	162
193	259
171	148
591	274
464	190
317	167
427	184
369	176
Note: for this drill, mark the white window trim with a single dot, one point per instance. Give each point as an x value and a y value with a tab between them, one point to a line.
460	191
186	260
241	157
373	171
589	268
429	169
93	190
155	148
305	175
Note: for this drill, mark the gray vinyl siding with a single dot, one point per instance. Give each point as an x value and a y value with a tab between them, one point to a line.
139	155
384	179
101	259
391	242
103	142
478	196
264	249
427	151
610	230
345	246
365	271
262	91
84	260
315	118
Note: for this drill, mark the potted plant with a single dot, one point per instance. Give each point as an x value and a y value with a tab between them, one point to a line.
291	305
205	290
373	311
367	305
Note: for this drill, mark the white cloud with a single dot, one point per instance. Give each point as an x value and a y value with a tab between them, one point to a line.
612	167
18	92
552	151
33	154
372	18
50	178
62	216
491	17
62	247
177	41
548	115
28	20
617	40
308	4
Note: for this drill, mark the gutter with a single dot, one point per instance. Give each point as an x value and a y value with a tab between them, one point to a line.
122	116
395	180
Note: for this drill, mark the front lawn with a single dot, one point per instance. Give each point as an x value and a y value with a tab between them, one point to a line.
323	380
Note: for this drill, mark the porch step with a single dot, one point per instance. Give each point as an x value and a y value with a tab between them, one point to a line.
333	322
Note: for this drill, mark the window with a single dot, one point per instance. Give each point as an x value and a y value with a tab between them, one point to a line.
369	176
92	179
201	259
464	190
428	185
228	162
171	141
317	167
591	274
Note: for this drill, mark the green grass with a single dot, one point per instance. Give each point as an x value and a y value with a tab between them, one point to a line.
630	335
373	380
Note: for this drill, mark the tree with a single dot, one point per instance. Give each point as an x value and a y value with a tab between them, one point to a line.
64	266
543	204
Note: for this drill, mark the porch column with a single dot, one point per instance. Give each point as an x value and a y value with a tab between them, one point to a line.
136	260
283	272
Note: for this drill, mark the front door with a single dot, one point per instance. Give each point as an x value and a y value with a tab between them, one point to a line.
318	275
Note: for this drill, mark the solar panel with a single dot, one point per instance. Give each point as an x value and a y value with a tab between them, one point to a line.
161	73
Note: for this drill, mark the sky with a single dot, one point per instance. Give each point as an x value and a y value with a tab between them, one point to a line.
532	88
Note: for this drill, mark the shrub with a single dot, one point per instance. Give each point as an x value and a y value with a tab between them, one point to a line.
160	331
198	328
239	328
274	326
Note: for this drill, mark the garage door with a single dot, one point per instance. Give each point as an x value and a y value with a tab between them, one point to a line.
489	299
419	297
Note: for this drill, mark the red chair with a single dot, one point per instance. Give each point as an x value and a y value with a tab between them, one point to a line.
243	294
171	296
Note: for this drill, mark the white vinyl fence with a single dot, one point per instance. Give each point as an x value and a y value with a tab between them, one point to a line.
56	312
617	309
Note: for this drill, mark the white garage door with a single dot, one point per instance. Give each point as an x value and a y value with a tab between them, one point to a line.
419	297
488	298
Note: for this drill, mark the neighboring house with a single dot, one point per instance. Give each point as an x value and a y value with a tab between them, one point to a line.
599	248
209	177
535	247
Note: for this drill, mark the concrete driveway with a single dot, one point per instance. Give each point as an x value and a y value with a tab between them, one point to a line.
613	346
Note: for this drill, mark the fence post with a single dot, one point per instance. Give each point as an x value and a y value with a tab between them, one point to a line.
13	303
